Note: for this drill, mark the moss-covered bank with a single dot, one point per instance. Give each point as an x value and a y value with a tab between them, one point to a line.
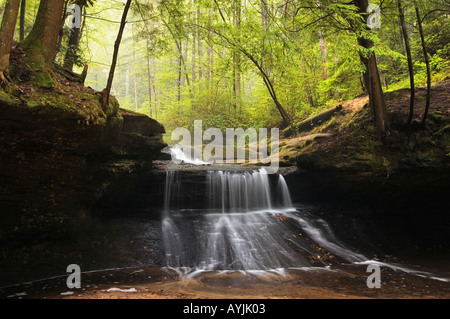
349	164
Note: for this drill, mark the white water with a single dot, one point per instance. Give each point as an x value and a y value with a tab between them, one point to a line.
232	192
250	225
178	156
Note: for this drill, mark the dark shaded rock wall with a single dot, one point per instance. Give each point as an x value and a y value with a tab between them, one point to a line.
55	166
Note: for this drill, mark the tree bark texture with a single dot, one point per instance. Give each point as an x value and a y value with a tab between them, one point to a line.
372	78
409	58
7	34
41	42
427	63
107	91
74	41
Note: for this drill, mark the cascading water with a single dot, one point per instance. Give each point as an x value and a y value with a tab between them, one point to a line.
232	192
249	224
230	219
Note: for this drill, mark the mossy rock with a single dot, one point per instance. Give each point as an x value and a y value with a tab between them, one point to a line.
445	130
113	107
111	132
445	141
9	100
436	116
42	79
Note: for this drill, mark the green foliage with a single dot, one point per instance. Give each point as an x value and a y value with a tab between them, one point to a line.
186	60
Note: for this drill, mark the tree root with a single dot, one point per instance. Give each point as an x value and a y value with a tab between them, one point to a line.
3	81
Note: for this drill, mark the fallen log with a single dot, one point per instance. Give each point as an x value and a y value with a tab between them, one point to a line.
312	122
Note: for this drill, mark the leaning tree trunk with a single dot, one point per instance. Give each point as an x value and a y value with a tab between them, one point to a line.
427	63
287	119
23	6
372	78
6	35
41	43
410	61
107	91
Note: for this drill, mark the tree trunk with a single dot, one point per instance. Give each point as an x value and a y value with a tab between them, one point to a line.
287	119
427	62
264	24
61	27
200	48
363	85
106	92
155	95
210	67
180	65
312	122
410	62
127	80
372	79
237	57
376	96
149	77
74	41
23	6
182	62
308	89
210	64
136	101
264	14
323	55
185	58
41	42
6	35
194	38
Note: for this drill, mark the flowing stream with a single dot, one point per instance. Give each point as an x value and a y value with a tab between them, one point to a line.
227	231
248	224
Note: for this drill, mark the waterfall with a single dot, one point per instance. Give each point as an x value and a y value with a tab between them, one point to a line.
232	192
225	218
179	156
172	187
283	193
248	223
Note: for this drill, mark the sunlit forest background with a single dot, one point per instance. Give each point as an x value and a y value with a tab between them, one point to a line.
224	61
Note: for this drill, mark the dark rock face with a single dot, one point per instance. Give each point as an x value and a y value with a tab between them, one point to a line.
54	168
131	167
140	137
